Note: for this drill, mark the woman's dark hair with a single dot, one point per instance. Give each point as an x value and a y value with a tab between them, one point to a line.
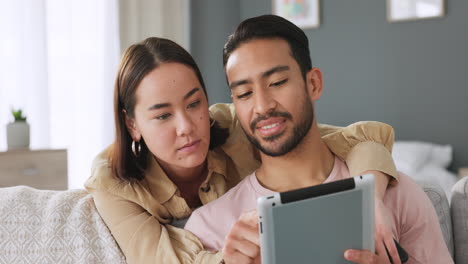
271	26
138	60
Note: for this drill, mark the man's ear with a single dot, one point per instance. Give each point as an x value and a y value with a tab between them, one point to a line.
314	83
131	127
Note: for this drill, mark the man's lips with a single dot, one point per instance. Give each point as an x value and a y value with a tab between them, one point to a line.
269	122
269	119
271	126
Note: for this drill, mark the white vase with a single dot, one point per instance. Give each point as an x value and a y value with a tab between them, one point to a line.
18	135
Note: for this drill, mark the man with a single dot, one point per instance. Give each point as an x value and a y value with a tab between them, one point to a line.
274	86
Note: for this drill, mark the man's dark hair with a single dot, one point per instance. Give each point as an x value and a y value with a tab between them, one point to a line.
271	26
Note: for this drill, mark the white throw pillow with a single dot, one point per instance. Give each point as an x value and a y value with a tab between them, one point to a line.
412	156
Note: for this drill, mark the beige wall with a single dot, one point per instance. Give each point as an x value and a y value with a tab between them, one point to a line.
140	19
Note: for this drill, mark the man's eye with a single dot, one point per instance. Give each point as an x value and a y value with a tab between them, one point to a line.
194	104
244	95
279	83
163	117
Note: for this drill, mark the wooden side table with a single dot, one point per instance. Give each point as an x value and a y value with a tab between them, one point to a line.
462	172
41	169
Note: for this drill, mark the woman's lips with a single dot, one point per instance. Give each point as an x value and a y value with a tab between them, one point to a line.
191	146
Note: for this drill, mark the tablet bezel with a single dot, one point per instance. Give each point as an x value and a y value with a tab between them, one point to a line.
266	205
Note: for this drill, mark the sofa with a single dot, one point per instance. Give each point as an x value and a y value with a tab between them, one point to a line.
459	215
39	226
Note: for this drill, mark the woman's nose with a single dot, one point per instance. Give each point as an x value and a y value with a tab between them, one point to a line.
185	125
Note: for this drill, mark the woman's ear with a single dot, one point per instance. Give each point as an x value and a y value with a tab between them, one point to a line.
132	127
314	83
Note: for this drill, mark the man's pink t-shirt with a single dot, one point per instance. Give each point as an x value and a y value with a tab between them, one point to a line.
416	226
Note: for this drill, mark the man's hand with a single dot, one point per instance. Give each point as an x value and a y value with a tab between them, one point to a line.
242	243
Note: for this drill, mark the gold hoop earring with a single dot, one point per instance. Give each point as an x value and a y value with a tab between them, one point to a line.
136	148
212	122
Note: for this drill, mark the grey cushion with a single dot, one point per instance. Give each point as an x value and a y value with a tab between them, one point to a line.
438	198
459	207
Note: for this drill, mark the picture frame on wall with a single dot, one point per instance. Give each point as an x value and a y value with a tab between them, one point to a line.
304	13
409	10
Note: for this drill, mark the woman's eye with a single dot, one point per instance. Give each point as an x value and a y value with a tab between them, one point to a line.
163	117
279	83
194	104
244	95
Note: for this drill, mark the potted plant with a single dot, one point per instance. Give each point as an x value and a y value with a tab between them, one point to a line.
18	131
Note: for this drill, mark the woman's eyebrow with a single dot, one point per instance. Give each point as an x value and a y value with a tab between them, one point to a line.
192	92
162	105
158	106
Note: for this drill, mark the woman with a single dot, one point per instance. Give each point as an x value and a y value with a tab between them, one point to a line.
163	162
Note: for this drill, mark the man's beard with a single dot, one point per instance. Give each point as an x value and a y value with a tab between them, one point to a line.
299	131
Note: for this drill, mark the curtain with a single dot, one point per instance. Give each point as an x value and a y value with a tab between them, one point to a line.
154	18
58	61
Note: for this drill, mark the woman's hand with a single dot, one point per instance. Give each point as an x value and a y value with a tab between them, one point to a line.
383	222
242	244
383	239
383	232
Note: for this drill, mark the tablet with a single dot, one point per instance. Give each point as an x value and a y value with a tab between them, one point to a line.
317	224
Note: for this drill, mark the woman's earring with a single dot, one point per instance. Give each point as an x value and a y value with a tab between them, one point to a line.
136	148
212	122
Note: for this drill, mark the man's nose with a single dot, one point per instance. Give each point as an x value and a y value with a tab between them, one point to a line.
264	102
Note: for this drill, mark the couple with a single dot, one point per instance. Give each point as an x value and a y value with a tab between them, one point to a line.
171	154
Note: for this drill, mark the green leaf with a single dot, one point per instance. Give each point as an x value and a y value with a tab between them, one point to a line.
18	115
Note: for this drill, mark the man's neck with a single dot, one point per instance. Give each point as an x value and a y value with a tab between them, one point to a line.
310	163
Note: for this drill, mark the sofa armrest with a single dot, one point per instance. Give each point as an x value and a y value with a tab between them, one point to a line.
439	200
39	226
459	208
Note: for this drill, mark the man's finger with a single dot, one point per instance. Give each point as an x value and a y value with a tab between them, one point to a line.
381	252
247	232
246	247
250	217
360	256
392	251
258	260
237	258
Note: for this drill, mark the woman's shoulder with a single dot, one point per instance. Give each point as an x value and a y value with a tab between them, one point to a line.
138	192
224	114
102	177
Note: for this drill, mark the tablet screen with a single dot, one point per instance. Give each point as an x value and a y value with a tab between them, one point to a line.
320	229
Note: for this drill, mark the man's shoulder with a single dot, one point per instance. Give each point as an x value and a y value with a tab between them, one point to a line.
405	189
408	201
406	186
417	224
